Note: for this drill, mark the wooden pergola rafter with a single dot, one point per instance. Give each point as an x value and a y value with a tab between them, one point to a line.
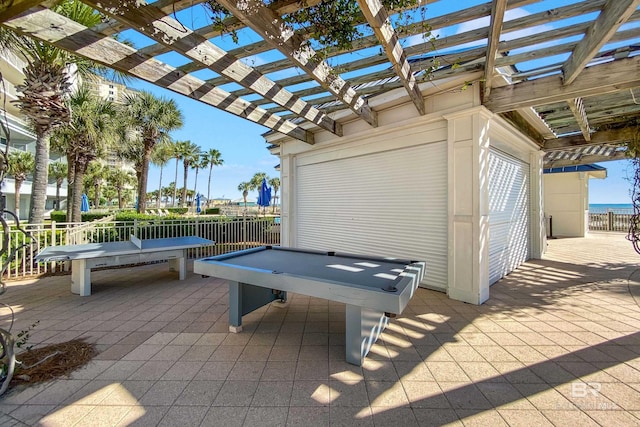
50	27
164	29
582	98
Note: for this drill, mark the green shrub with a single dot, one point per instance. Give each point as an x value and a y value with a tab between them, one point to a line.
177	211
61	216
212	211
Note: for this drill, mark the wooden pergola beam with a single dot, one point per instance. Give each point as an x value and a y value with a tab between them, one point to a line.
614	14
498	9
113	26
588	159
599	79
231	23
281	36
155	24
580	115
613	136
50	27
11	8
378	20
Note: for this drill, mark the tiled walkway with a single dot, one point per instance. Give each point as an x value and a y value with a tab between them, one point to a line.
558	343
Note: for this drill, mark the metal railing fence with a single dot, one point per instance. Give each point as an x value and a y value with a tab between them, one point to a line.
230	234
612	220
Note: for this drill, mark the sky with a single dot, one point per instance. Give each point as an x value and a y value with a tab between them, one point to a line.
242	146
616	187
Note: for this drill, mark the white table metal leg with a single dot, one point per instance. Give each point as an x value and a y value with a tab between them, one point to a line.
80	278
363	327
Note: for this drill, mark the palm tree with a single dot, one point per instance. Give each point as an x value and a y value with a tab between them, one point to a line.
178	156
92	129
170	189
152	119
97	174
256	183
200	163
48	81
161	155
120	179
244	187
275	184
190	153
212	158
58	171
21	163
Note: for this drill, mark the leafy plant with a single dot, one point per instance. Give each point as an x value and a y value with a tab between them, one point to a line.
23	337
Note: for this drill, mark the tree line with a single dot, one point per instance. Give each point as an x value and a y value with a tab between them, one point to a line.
87	128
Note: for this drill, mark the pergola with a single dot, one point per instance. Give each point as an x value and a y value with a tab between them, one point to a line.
567	76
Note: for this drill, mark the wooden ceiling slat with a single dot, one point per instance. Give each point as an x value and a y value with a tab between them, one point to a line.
612	136
232	23
270	25
378	20
577	108
604	78
497	17
613	14
48	26
10	9
155	24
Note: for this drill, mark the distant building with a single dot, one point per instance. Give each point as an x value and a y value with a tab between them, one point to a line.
566	199
20	135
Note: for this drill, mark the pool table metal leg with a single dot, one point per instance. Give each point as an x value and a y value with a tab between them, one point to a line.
363	327
235	306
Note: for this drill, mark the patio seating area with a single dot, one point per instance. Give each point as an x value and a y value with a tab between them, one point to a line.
557	343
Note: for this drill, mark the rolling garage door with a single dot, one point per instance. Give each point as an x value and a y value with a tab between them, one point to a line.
508	214
390	203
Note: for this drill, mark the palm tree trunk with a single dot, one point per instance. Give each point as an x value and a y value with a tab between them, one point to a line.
96	200
184	185
144	175
119	197
71	175
58	185
40	180
16	209
159	189
195	185
76	213
175	187
209	186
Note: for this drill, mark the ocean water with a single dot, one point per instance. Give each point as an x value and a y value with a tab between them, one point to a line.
614	207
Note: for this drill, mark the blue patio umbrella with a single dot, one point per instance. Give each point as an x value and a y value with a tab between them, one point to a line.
198	201
84	206
264	194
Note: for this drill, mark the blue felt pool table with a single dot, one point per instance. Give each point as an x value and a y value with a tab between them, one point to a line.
373	288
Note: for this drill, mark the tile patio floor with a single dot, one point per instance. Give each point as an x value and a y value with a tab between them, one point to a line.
558	343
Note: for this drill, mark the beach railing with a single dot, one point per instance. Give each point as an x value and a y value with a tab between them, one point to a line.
611	220
230	235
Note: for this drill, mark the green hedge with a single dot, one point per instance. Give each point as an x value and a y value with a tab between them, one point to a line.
212	211
61	216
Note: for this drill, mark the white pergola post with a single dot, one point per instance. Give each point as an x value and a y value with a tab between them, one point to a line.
468	188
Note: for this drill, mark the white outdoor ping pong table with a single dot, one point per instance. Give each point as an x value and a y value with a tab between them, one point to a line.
93	255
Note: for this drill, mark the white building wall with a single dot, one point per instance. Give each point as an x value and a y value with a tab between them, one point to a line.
469	131
566	198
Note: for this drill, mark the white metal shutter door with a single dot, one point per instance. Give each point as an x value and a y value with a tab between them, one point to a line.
508	214
392	203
